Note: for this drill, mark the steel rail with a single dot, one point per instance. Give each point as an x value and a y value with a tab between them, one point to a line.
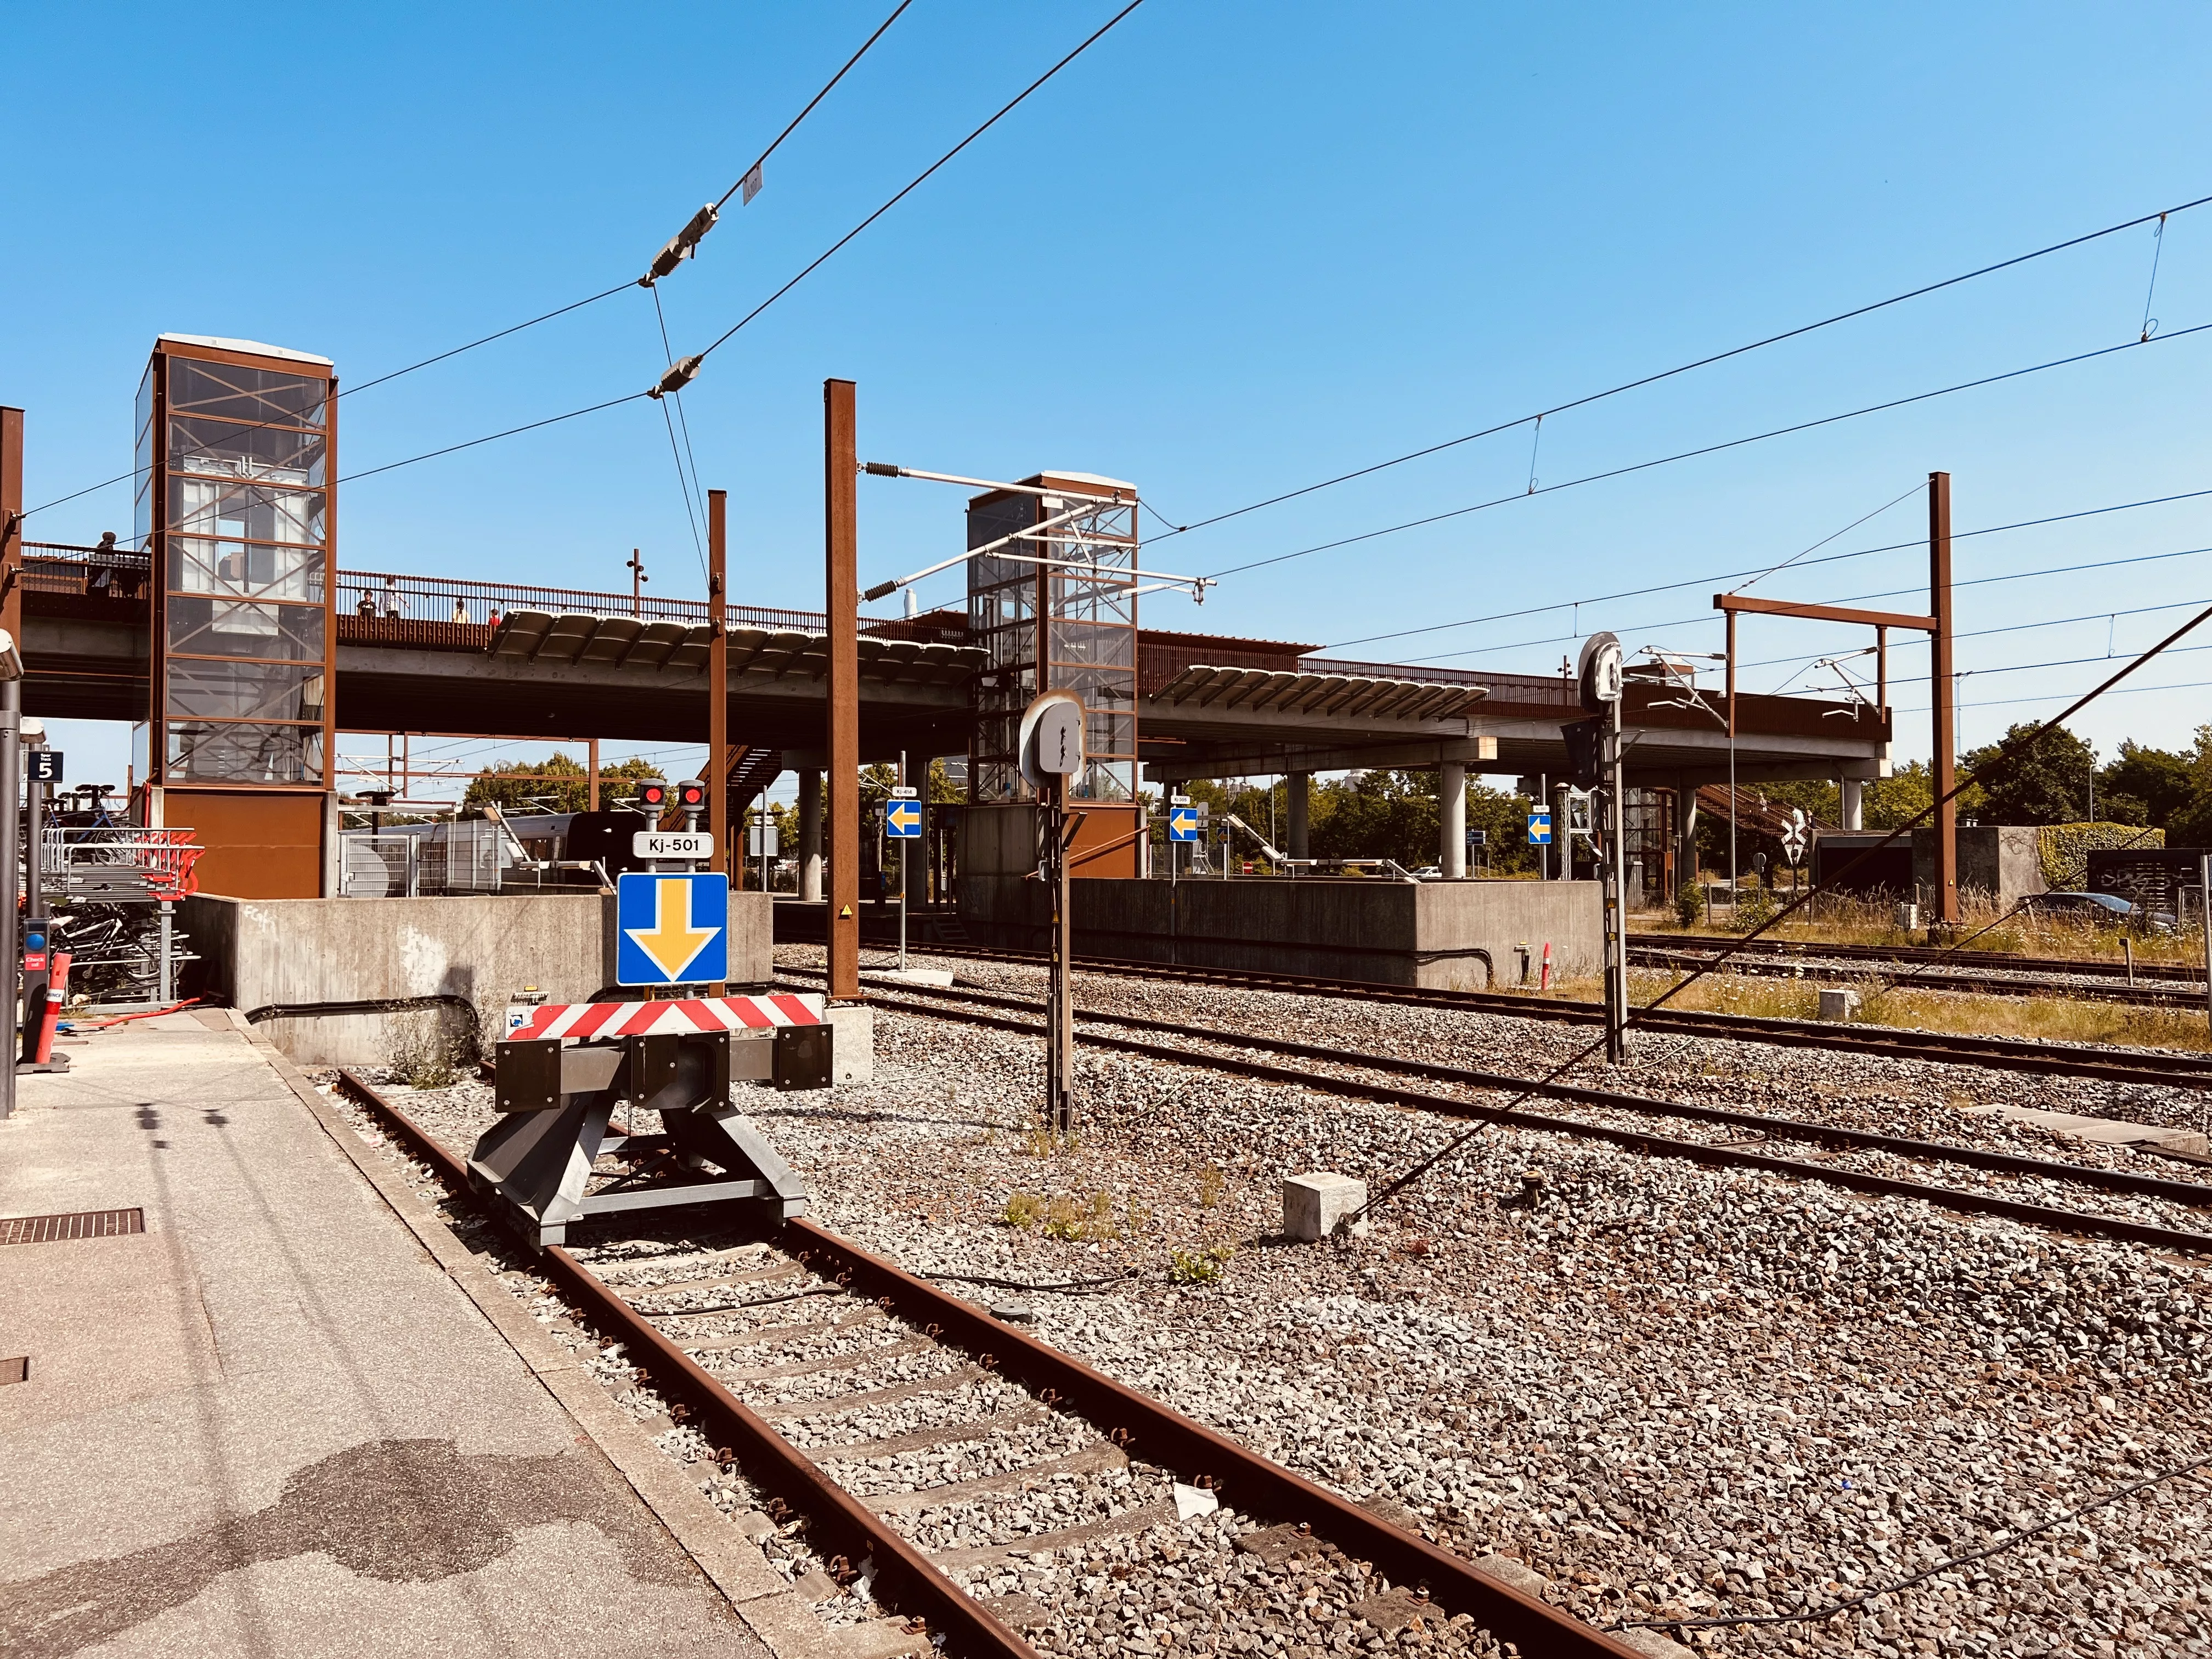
2193	1194
1164	1436
1950	1197
1927	977
1196	1453
769	1460
2172	1070
2099	967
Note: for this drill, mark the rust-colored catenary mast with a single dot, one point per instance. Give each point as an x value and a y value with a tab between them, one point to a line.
11	524
841	599
1937	625
1944	685
718	689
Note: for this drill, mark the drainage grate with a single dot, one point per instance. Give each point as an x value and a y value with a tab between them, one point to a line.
85	1224
17	1370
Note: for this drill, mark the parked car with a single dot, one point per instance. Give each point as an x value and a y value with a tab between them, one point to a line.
2108	908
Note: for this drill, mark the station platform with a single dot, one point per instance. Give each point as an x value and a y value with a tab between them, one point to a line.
273	1422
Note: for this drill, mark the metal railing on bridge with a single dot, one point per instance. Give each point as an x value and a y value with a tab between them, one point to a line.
392	607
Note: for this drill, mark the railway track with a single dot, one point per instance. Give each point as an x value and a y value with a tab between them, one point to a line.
1002	1012
1902	955
2170	1070
889	1421
2018	978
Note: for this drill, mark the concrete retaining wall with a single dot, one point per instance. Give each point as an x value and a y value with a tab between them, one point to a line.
1443	935
260	953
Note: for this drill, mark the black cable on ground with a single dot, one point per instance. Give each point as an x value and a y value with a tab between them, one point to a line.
2005	751
2014	1541
1121	1278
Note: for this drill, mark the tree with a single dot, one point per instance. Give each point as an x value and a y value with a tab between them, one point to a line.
2045	781
1898	798
2145	785
557	784
2191	825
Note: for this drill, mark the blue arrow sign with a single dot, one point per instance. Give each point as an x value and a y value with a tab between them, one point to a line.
902	820
1182	824
671	929
1539	829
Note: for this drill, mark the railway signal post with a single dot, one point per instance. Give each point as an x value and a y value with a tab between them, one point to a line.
902	823
1052	752
1600	681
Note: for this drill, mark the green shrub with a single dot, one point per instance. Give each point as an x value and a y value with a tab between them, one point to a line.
2063	849
1200	1267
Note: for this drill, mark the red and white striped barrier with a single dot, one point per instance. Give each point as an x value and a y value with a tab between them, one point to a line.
620	1019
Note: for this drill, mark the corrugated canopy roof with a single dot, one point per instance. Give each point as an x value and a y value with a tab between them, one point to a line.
1358	697
634	642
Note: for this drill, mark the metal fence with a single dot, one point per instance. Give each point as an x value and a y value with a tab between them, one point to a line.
376	865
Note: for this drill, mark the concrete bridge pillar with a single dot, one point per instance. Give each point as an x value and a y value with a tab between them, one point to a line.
1451	818
809	834
1853	793
1296	788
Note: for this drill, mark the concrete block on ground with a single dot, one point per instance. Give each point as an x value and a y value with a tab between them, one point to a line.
941	977
2104	1131
1314	1204
852	1051
1839	1003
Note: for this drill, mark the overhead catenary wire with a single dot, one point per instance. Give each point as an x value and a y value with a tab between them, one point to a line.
689	485
544	317
1733	576
1702	362
915	183
1910	643
1910	490
1708	449
809	270
829	85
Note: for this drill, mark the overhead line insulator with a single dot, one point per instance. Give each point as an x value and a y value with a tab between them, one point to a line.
683	245
678	376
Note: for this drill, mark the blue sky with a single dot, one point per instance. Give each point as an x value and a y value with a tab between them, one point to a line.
1232	250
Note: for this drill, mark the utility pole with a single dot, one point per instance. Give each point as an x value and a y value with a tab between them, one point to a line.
903	843
2204	915
1060	1040
11	772
637	580
841	595
717	690
11	526
1616	886
1731	735
1944	685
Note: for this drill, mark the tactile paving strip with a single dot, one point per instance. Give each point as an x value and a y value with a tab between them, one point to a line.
85	1224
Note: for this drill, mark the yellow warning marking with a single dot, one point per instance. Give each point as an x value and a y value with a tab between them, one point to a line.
672	942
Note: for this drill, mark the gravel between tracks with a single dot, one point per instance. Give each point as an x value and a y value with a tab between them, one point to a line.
1678	1393
1147	1580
